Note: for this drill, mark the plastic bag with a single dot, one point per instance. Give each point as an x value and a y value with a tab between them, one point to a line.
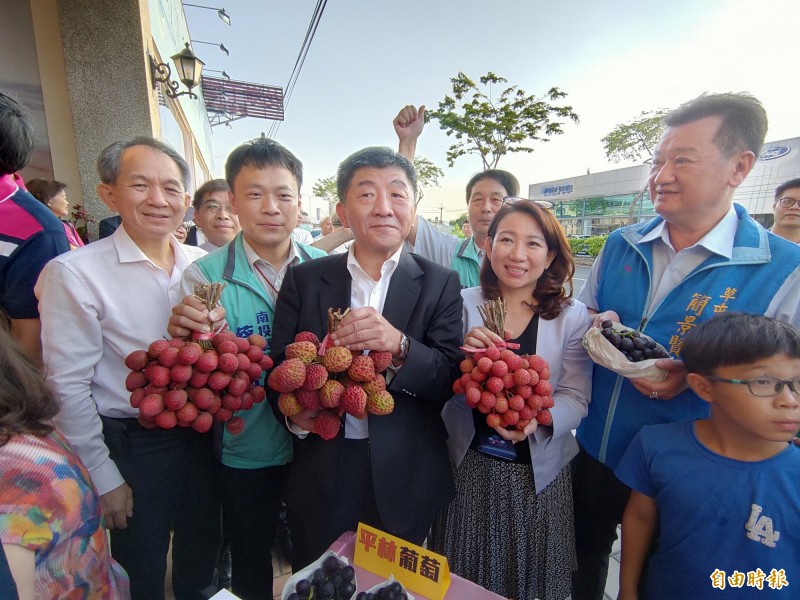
606	355
308	573
374	589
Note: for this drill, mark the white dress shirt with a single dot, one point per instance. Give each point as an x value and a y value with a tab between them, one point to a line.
98	304
365	291
303	236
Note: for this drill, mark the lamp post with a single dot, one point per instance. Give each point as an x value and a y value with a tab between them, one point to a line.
220	46
189	68
221	12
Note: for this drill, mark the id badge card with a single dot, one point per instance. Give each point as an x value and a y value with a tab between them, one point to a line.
493	445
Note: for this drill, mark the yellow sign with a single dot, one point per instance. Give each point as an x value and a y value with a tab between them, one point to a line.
417	568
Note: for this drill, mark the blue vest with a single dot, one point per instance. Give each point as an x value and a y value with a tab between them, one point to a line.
264	442
758	267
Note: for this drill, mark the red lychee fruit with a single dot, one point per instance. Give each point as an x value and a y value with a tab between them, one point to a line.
175	399
380	403
254	371
510	418
257	340
305	351
137	360
330	394
307	399
166	419
151	405
231	402
187	413
544	417
238	386
493	420
203	398
177	343
513	361
307	336
288	376
548	402
316	376
499	368
493	353
199	379
382	360
235	426
473	396
484	364
181	373
354	401
494	385
543	388
157	375
376	384
337	359
537	363
501	405
259	393
154	349
136	397
135	380
526	413
207	362
255	354
203	422
244	362
227	347
247	401
522	377
218	380
287	403
241	344
516	402
327	424
168	357
190	354
361	368
266	362
228	362
223	414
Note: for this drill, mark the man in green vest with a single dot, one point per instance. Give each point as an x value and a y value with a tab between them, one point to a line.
265	180
485	193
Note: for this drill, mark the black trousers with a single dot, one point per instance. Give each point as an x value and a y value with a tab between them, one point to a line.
250	505
600	500
173	476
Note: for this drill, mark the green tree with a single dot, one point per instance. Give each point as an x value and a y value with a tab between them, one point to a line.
632	140
325	188
428	175
493	125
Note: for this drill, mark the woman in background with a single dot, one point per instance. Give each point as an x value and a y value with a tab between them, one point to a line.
51	522
510	527
53	194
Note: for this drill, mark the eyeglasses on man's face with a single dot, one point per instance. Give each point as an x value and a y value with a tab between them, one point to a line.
216	207
763	386
509	200
787	201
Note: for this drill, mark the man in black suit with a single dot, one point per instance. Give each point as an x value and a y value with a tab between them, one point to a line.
390	471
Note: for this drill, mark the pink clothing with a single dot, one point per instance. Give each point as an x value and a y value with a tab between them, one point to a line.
73	237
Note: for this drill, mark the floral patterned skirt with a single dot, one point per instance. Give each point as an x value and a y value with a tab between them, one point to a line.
501	534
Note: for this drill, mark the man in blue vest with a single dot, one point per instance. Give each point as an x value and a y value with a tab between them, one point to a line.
264	178
700	256
485	193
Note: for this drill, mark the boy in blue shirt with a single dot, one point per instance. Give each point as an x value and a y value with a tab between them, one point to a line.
719	495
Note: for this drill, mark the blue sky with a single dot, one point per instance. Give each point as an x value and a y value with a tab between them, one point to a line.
614	60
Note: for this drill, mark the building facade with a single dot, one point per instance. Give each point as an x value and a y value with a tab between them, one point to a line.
598	203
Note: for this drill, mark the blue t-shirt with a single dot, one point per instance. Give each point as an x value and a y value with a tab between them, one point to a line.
722	521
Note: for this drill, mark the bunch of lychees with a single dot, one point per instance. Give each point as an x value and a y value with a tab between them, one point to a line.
511	390
179	383
332	380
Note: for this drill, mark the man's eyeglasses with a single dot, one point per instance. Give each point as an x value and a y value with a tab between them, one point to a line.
509	200
214	207
787	202
763	386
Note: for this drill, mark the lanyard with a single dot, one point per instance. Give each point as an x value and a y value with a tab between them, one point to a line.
264	275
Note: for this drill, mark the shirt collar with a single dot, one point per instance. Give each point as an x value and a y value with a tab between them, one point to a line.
9	185
719	240
387	269
128	251
253	257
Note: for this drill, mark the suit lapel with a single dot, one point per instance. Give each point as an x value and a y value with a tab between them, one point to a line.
335	289
403	292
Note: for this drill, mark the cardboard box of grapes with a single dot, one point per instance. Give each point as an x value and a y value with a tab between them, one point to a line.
625	351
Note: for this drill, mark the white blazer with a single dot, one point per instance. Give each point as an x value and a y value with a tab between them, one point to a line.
559	343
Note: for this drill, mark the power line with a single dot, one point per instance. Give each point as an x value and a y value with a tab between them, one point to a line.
301	59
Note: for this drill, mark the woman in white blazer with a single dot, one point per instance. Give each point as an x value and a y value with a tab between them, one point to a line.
510	527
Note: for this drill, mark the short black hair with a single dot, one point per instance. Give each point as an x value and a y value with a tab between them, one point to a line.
792	183
735	338
504	178
259	153
17	136
209	187
744	120
379	157
110	159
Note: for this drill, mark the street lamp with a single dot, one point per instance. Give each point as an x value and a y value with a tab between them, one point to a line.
221	12
189	67
220	46
224	74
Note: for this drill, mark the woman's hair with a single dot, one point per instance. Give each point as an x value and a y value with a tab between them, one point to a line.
26	401
554	287
44	189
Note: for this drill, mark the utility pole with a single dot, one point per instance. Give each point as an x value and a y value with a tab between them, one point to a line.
441	208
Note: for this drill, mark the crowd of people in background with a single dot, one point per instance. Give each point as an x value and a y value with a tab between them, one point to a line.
699	468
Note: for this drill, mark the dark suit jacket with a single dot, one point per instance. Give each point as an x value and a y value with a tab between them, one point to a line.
410	467
109	225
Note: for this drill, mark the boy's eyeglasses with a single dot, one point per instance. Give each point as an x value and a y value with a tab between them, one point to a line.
763	386
509	200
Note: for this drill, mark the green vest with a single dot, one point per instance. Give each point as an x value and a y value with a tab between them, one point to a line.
264	442
467	263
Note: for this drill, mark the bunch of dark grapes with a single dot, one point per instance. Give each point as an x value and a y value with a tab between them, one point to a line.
635	346
333	581
391	591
